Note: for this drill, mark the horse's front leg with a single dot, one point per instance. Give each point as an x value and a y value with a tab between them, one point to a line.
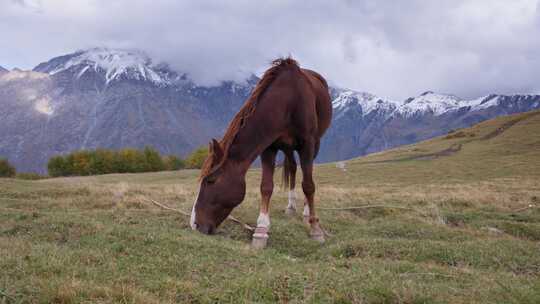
268	162
307	155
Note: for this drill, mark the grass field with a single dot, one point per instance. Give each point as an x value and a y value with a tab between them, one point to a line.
467	230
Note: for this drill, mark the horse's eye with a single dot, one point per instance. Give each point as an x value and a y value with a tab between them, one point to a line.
210	181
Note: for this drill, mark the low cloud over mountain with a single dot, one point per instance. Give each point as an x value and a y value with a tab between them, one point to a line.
396	49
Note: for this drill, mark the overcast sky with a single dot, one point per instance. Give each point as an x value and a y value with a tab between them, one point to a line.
395	49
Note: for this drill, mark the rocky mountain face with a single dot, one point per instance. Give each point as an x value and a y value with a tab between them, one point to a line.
364	123
117	98
3	70
111	99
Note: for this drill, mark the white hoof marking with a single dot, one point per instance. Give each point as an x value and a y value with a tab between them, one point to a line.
263	220
292	200
306	210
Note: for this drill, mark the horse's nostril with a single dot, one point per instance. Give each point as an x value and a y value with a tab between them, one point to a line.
206	229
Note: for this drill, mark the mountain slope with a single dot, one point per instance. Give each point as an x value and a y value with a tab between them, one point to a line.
497	148
364	123
114	98
3	70
90	99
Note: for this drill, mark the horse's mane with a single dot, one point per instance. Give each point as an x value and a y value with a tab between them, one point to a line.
247	109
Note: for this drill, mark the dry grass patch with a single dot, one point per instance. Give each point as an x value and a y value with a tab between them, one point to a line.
451	229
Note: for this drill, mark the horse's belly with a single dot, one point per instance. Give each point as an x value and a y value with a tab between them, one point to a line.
286	142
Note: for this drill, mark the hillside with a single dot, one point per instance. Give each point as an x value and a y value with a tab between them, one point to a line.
455	219
364	123
502	147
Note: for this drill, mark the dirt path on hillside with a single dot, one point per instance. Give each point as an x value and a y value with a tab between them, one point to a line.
507	125
428	156
455	148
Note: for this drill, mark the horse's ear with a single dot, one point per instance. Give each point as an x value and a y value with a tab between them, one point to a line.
216	151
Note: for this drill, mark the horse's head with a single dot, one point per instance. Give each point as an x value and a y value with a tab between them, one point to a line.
222	188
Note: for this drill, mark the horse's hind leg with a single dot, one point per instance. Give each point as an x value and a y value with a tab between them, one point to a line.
268	161
289	167
307	154
306	212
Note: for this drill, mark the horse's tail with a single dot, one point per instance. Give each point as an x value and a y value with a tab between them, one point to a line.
289	171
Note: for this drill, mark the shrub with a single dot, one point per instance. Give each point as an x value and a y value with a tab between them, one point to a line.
6	169
30	176
57	166
80	162
153	161
103	161
172	163
129	160
196	159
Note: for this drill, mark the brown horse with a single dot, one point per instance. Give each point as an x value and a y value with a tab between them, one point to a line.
289	110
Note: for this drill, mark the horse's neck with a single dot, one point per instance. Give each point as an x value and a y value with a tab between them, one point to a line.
250	141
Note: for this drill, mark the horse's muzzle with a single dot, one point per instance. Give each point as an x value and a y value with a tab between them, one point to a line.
206	229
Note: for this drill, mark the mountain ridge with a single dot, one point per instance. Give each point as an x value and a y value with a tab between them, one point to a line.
119	98
115	63
359	128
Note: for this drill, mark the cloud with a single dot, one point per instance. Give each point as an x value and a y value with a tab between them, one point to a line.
392	48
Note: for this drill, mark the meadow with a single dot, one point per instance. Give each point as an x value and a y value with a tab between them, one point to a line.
455	219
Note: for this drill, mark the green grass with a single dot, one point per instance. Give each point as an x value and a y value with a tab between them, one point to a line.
456	239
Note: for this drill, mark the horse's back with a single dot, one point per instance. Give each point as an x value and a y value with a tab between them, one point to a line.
299	105
323	104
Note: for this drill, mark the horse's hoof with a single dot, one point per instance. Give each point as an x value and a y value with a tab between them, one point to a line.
260	238
259	243
290	211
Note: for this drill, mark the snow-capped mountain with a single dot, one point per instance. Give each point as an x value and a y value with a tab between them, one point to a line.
111	64
364	123
431	103
365	103
120	98
112	99
434	103
3	70
438	104
519	101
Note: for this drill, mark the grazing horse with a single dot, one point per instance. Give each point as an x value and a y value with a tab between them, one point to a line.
289	110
